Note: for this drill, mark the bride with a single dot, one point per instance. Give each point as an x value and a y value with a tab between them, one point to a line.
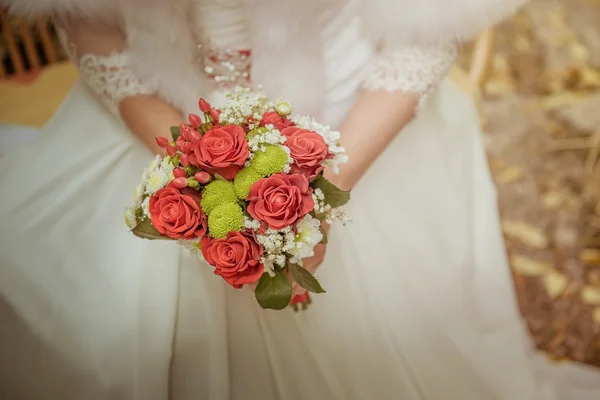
420	303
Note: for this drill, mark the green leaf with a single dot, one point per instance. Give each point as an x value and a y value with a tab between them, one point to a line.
175	132
219	177
334	196
305	279
274	292
324	240
145	230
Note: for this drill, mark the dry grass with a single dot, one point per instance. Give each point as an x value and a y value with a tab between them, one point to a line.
542	117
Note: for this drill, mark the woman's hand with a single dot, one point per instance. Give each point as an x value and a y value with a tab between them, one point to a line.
375	120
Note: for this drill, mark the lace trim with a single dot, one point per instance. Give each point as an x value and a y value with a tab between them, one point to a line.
112	78
412	69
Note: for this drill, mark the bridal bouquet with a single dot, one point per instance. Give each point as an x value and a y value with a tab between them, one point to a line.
243	187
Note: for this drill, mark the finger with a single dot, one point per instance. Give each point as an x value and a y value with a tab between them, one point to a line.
298	290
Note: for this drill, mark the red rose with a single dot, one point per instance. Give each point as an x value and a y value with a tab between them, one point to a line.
280	200
272	118
235	258
222	150
176	214
308	150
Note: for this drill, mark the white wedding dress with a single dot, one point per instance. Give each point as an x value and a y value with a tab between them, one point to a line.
419	301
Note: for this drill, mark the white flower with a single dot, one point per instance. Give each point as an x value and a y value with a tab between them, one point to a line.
154	164
269	264
339	214
241	104
146	207
334	162
192	245
321	208
307	237
270	136
166	165
130	218
138	194
156	181
250	223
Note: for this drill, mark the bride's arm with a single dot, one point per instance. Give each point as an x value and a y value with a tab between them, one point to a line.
399	80
100	51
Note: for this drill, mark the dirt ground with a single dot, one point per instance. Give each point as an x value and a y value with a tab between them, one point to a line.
542	122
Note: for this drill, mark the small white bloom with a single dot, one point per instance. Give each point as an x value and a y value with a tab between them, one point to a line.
338	214
166	165
250	223
269	267
307	237
130	218
156	181
146	207
138	194
192	245
154	164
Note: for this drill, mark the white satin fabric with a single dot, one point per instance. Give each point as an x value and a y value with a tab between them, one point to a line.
419	304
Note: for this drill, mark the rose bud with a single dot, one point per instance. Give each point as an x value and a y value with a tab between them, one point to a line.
195	120
204	105
179	173
179	183
202	176
171	151
162	141
283	108
214	114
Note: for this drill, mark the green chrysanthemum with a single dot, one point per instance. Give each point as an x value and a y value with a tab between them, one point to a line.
243	180
255	132
217	193
224	219
270	161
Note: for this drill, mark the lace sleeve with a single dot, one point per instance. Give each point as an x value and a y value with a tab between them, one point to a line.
411	69
104	63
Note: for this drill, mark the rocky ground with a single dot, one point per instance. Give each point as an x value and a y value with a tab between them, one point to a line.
542	120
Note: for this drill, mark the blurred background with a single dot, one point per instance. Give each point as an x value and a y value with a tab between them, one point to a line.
541	115
536	81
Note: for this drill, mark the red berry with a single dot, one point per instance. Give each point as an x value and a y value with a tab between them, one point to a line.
184	160
162	141
204	105
179	173
171	151
215	114
195	120
188	133
202	176
179	183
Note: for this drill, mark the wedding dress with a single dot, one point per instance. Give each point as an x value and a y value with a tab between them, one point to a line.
419	301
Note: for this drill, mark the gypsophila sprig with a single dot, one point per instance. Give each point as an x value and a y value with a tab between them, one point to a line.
242	187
